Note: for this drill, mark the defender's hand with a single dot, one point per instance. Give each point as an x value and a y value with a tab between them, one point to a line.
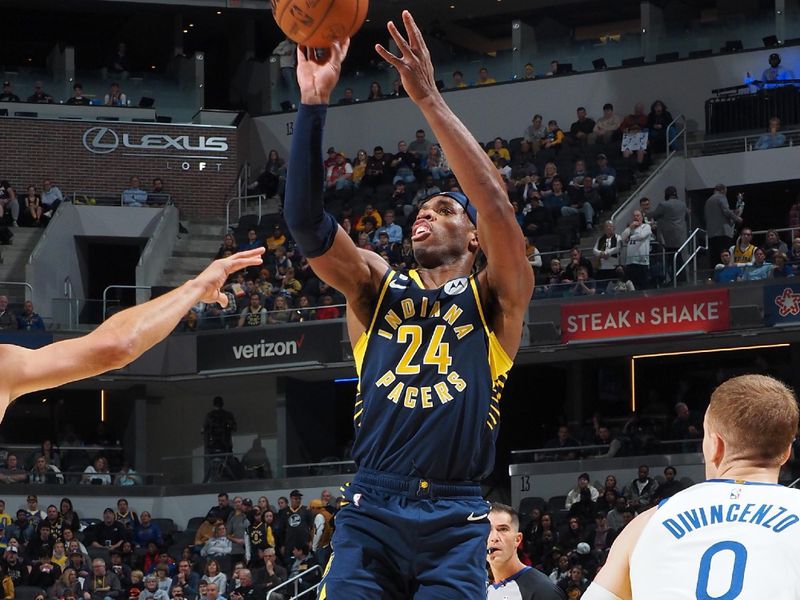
317	76
414	65
217	273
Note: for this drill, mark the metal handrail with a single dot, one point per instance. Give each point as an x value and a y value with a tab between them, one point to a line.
635	194
737	138
597	447
121	287
18	283
296	579
238	199
153	237
337	463
680	134
692	258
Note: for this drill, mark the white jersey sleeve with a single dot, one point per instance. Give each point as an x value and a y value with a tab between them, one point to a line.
721	540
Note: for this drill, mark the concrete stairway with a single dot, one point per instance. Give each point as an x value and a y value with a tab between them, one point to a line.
14	259
193	251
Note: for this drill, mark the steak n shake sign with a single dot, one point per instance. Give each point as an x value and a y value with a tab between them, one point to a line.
689	312
200	152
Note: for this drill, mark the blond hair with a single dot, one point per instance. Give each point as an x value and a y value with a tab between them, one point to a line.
756	415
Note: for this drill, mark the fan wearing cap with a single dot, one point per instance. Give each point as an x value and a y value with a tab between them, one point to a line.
773	75
433	347
295	526
39	96
8	95
510	578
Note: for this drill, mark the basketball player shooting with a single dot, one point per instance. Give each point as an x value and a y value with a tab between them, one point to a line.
432	348
118	341
734	536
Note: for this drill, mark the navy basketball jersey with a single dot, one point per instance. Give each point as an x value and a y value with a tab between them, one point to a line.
431	374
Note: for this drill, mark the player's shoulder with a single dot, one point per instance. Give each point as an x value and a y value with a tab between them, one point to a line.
535	585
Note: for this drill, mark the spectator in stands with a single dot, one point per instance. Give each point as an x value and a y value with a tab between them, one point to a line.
773	244
773	138
295	524
42	472
8	95
771	76
780	266
101	585
574	495
793	255
687	425
458	80
254	314
528	72
109	533
39	96
561	570
637	237
577	260
671	485
53	519
44	573
15	566
720	220
339	176
671	219
32	207
658	122
97	473
375	91
607	249
186	579
378	169
348	98
77	97
145	531
152	591
12	473
51	197
9	202
134	195
269	574
606	126
557	201
420	147
535	133
120	569
553	71
498	150
7	320
581	129
573	535
252	240
236	526
743	251
217	545
31	321
302	561
611	484
280	311
553	139
392	229
640	493
228	246
128	518
563	440
22	529
286	52
484	78
115	96
213	575
760	269
404	164
632	124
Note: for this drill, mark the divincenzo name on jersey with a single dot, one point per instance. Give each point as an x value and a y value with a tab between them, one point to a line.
771	516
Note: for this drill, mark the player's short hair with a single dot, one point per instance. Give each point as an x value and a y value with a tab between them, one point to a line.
757	416
506	509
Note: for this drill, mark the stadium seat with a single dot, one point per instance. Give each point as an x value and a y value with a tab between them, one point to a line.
527	504
99	553
27	592
194	523
167	526
556	503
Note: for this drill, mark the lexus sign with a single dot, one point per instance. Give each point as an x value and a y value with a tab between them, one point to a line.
104	140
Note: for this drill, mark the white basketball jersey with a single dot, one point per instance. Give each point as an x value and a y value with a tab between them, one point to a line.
721	540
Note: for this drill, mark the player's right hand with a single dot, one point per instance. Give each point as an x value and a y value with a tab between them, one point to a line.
318	74
217	273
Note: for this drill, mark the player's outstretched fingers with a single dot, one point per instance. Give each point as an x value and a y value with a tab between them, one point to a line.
402	44
415	39
393	60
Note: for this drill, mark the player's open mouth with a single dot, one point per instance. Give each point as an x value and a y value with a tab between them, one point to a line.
492	549
420	231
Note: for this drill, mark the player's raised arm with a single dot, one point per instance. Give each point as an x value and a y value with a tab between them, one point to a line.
118	341
331	253
510	276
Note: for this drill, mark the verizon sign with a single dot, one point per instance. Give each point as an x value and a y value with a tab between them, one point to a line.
270	346
104	140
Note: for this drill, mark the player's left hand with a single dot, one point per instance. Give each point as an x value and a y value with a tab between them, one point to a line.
216	274
414	65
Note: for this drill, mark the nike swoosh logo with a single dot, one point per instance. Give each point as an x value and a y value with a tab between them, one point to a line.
474	517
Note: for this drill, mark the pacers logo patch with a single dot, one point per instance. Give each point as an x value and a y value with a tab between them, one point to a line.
455	286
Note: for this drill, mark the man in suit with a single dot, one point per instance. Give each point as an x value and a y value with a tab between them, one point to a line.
670	216
720	222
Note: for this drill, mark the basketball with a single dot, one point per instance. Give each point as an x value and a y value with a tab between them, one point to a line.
319	23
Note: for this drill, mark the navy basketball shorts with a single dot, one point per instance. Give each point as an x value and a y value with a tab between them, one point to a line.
403	538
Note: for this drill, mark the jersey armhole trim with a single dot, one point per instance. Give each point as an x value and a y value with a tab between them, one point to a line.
499	360
360	349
